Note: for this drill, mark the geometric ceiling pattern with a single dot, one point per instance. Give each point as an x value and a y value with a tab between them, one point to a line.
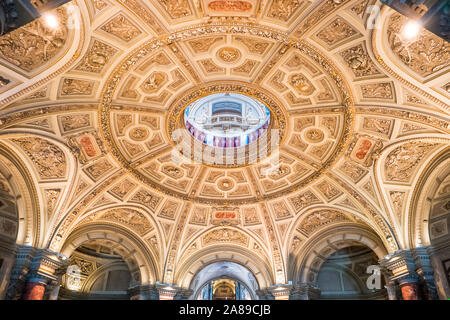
89	109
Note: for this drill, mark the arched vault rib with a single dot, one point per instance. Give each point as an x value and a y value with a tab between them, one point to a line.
304	266
132	247
190	265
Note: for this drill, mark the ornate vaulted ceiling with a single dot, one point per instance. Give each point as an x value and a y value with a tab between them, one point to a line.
88	111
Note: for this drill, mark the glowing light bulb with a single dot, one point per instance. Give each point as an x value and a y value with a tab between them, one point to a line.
411	30
50	20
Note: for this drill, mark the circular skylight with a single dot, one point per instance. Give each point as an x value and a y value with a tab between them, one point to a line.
227	120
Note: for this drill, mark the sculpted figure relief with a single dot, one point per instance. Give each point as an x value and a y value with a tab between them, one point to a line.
319	219
122	28
48	158
176	8
34	44
403	160
425	55
336	31
284	9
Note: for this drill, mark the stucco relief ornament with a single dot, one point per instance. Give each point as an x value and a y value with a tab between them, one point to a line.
425	55
228	54
403	160
32	45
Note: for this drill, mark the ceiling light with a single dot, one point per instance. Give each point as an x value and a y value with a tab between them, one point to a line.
411	30
50	20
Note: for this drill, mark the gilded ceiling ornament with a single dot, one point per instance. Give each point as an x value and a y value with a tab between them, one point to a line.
359	61
139	133
96	58
283	9
337	31
98	169
176	8
123	188
230	6
49	159
382	90
425	55
34	44
246	68
99	4
328	190
122	28
51	196
202	45
128	217
352	170
154	82
132	149
250	216
169	210
314	135
359	7
210	66
77	87
180	188
147	199
397	198
281	210
320	219
74	121
225	184
228	54
303	200
199	216
224	235
301	84
401	162
323	10
256	46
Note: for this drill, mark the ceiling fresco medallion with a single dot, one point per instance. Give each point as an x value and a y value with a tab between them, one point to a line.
228	54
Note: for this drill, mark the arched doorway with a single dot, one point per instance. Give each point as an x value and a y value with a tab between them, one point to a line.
344	275
96	271
224	281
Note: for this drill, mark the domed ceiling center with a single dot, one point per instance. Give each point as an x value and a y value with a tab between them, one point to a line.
227	120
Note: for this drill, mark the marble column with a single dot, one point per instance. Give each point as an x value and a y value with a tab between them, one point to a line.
402	270
305	291
35	289
46	268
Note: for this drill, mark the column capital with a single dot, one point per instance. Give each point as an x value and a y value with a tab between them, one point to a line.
401	264
144	292
305	291
167	291
47	266
280	291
